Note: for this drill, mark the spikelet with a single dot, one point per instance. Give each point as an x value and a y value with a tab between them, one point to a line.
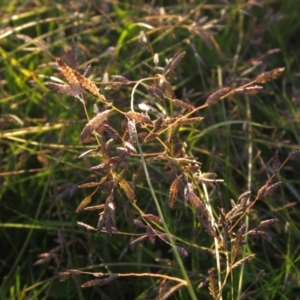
270	75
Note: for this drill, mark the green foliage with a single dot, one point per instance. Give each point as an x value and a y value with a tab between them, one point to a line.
59	169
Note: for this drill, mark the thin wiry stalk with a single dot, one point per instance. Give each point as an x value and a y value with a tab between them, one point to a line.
249	177
249	181
177	256
216	243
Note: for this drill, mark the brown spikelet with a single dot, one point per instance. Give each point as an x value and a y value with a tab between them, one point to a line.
252	89
138	240
267	223
86	226
183	104
150	137
180	121
270	75
138	117
213	284
295	155
216	96
99	281
152	218
131	130
112	133
236	249
130	147
173	62
94	124
151	234
182	251
156	92
242	261
157	124
88	85
261	192
72	55
201	210
85	201
270	190
63	88
173	191
67	72
125	186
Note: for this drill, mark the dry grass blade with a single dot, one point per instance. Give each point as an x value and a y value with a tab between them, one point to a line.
270	75
213	284
173	191
63	88
94	124
216	96
99	281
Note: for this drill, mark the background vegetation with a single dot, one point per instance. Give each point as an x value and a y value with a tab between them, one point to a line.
226	43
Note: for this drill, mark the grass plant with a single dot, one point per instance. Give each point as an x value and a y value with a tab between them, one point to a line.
149	151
